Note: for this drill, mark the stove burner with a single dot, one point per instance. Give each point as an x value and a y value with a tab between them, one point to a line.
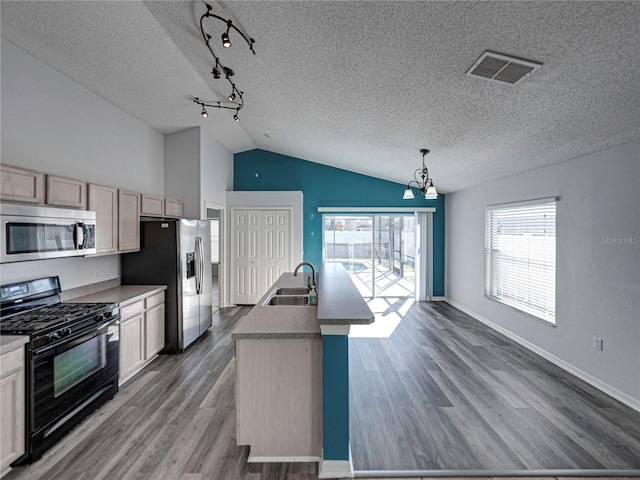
49	316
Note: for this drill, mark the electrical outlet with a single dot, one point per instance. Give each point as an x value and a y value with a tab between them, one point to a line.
598	343
97	274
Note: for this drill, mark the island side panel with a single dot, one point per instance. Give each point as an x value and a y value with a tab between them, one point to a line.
279	397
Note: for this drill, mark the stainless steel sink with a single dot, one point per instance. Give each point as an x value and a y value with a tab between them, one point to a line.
288	300
291	291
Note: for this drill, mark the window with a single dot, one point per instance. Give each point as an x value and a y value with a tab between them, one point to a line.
520	256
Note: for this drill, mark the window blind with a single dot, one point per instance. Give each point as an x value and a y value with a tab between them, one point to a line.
520	256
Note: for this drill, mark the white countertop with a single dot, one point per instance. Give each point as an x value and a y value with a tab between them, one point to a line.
122	294
9	343
339	303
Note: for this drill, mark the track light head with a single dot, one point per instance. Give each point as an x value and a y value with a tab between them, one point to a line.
226	43
215	72
236	117
204	112
232	97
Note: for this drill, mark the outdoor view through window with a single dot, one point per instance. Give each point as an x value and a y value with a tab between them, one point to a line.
378	251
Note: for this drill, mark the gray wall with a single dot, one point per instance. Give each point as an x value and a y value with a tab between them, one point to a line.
52	124
598	272
198	169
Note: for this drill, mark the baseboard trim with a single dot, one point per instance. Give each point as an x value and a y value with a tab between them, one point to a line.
336	468
493	473
258	459
438	299
591	380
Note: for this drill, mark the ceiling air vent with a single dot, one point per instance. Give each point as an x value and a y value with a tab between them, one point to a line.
501	68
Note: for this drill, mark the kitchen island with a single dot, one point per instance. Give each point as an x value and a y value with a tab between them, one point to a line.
281	369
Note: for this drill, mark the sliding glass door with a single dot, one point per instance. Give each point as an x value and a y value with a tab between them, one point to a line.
378	251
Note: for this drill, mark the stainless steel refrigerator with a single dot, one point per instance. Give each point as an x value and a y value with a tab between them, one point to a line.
175	253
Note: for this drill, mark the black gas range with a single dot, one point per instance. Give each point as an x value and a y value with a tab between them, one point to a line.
71	358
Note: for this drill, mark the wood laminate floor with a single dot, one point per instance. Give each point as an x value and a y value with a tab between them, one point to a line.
176	419
446	392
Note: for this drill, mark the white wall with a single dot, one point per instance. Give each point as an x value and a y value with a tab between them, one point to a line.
597	276
52	124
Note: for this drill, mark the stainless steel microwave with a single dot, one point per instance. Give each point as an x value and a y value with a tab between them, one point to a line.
32	232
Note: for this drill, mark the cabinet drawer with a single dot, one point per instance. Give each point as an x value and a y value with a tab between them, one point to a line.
152	205
131	309
12	361
154	300
66	192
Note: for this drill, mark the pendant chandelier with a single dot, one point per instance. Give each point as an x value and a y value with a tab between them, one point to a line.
422	182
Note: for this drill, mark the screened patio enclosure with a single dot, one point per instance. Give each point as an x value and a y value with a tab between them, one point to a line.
378	251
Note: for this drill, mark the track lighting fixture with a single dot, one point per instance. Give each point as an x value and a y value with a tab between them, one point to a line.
217	104
226	43
219	69
424	183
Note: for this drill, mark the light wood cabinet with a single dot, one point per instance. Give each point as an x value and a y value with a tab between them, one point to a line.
21	185
66	192
104	201
152	205
141	333
131	345
12	414
154	330
157	206
279	397
128	221
172	207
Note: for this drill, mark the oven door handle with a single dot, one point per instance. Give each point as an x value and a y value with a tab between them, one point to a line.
90	329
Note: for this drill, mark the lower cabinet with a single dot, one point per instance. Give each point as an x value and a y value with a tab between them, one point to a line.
141	333
279	398
12	391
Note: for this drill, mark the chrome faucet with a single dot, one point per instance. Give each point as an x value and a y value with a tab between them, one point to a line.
313	270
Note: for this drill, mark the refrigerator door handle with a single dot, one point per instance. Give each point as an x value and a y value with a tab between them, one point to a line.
198	267
201	258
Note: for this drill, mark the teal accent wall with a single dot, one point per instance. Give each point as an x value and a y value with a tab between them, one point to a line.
335	397
324	186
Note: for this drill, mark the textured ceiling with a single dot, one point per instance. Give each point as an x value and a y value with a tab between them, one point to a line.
362	85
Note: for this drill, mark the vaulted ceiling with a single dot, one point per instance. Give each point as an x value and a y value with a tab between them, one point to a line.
361	85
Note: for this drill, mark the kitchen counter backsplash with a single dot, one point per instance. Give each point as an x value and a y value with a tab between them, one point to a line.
72	293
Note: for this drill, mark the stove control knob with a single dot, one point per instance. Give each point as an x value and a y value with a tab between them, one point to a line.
52	337
65	332
108	314
100	318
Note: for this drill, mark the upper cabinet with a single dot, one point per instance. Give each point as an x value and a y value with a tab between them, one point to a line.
156	206
152	205
66	192
172	207
21	185
128	221
104	201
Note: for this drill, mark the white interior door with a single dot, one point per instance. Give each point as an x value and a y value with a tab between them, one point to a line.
239	255
254	256
261	244
275	245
